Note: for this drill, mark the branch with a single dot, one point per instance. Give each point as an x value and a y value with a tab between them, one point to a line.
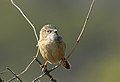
14	74
13	78
18	8
83	28
46	72
30	63
34	30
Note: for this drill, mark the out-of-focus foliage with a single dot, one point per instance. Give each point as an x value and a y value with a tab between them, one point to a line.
97	58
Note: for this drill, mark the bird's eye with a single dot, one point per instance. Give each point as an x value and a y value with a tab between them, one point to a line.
49	31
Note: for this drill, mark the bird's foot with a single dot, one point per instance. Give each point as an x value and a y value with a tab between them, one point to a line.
44	68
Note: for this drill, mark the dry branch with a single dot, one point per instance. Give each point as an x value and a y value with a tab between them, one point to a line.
25	68
46	72
14	74
83	28
25	18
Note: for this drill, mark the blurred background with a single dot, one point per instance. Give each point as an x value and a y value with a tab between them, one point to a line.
97	57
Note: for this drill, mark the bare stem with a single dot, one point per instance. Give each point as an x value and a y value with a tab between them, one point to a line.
85	23
46	72
18	8
14	74
25	68
34	30
83	28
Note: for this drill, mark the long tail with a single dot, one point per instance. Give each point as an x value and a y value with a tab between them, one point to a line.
65	63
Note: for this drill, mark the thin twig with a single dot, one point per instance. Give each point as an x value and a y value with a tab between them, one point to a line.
83	28
14	74
85	23
13	78
34	30
18	8
25	18
30	63
55	67
46	72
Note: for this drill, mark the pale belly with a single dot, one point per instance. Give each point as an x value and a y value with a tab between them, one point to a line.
53	52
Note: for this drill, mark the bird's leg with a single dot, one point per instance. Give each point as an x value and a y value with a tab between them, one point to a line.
44	66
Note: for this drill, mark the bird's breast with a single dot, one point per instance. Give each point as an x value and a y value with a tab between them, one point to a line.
52	51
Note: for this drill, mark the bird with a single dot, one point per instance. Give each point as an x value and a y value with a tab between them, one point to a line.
52	47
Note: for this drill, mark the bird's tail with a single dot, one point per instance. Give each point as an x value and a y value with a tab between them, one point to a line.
65	63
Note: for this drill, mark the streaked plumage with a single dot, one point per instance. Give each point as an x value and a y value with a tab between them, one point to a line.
52	47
